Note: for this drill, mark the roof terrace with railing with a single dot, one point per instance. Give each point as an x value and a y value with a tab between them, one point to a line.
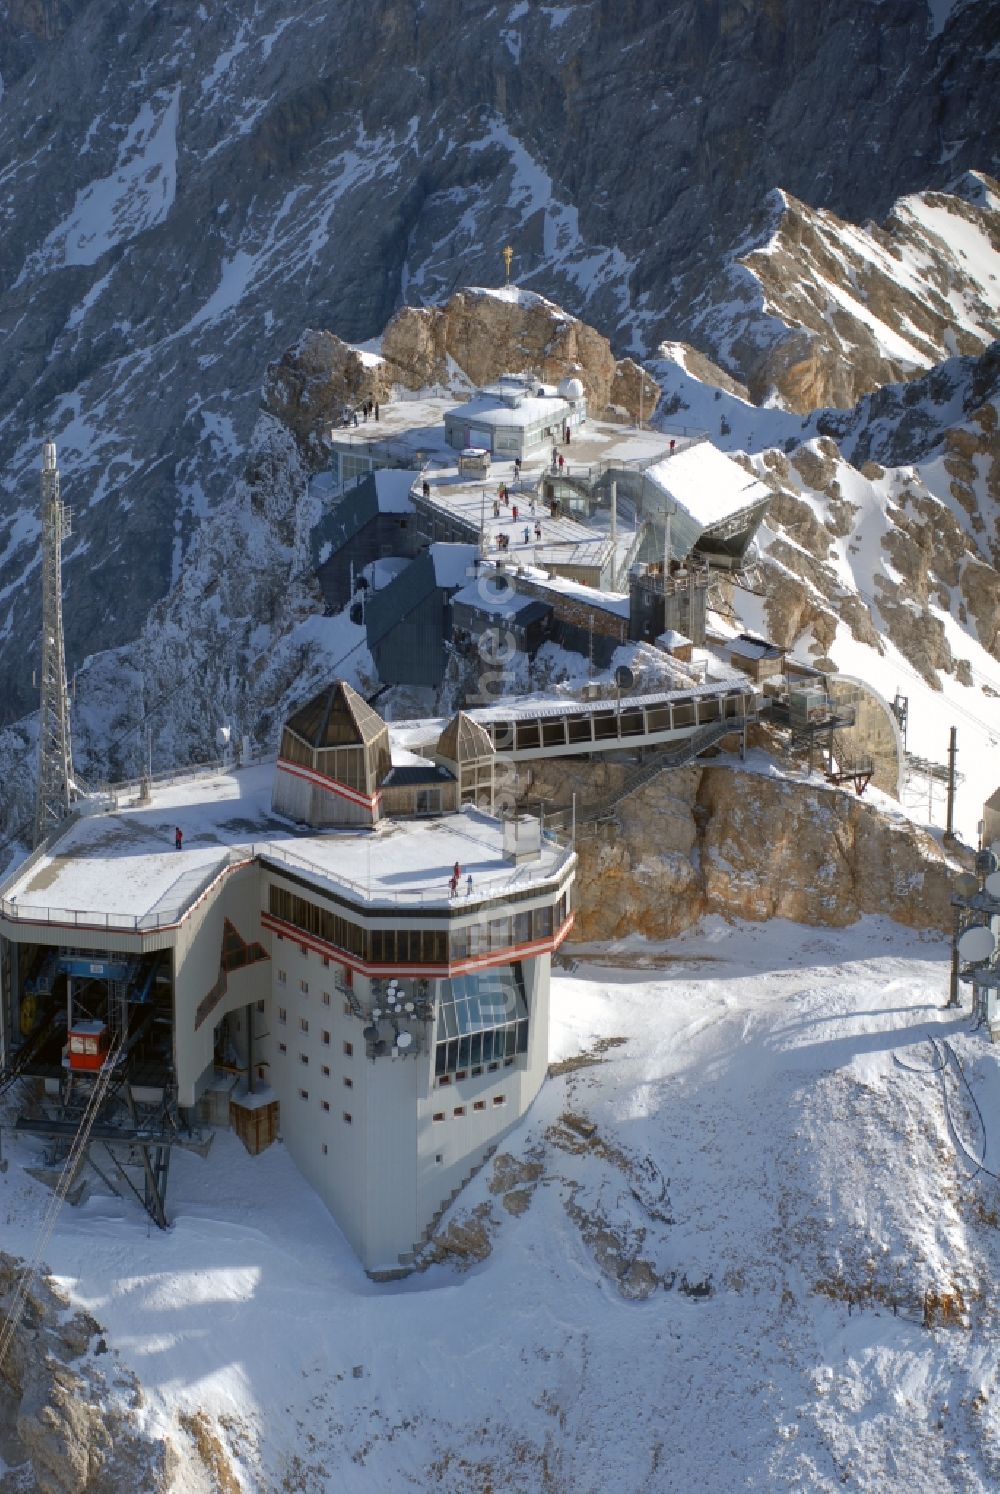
120	870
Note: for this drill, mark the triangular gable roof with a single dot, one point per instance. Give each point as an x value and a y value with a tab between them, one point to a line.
464	740
336	717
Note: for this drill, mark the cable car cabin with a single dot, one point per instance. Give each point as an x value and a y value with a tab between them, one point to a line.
88	1045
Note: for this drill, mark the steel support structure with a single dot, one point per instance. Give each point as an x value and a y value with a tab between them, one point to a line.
55	758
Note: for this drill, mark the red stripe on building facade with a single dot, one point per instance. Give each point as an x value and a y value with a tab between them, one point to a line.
332	785
456	967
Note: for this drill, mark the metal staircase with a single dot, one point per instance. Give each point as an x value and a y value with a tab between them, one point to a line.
594	811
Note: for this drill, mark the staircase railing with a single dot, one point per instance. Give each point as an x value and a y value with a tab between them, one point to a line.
595	810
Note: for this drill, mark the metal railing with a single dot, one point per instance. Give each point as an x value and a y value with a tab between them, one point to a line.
672	757
373	895
186	890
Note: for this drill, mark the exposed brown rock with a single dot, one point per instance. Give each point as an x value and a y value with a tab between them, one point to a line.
487	336
310	386
63	1432
828	356
775	849
981	590
716	839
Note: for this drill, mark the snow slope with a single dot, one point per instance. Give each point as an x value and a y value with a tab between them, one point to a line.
757	1149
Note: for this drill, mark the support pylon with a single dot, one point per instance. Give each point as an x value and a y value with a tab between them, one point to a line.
55	755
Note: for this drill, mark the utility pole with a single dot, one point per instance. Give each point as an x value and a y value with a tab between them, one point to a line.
952	754
55	758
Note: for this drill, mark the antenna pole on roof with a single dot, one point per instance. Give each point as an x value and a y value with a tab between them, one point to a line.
952	754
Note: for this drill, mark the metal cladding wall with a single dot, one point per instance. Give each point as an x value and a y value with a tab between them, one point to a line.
382	535
304	796
203	991
411	651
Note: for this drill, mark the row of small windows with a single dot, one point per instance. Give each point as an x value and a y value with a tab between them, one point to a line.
416	946
460	1110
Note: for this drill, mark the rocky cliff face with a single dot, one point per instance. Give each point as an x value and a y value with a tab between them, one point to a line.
820	312
714	839
474	338
69	1421
185	190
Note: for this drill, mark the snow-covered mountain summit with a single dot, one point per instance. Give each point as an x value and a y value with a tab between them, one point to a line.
815	311
184	189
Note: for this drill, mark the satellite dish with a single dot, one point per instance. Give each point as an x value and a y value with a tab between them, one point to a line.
409	1006
370	1034
376	1012
993	884
404	1040
966	885
624	678
987	862
995	848
977	944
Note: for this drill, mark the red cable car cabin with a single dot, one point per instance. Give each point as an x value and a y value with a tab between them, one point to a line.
88	1045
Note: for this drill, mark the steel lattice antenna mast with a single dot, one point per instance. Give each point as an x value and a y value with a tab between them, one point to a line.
55	756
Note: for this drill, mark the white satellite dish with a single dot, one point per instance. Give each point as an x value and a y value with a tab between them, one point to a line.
409	1006
995	848
376	1012
977	944
993	884
404	1040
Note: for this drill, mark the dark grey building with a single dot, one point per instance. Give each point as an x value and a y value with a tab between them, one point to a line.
409	621
483	606
372	520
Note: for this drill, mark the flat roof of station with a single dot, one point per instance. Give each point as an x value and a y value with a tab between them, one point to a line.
121	869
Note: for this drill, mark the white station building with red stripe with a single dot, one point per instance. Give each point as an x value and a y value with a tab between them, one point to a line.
311	948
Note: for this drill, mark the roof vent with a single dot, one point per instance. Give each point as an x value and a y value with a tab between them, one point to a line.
522	839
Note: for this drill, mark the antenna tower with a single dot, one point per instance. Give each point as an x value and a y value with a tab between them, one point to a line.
55	757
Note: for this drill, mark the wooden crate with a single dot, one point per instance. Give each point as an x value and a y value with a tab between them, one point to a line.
256	1125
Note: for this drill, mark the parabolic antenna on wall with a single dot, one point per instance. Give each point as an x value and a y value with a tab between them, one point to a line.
404	1040
977	944
624	678
995	848
993	884
966	884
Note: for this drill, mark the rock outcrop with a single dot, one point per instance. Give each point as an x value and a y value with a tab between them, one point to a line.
474	338
312	384
820	312
714	839
68	1415
477	335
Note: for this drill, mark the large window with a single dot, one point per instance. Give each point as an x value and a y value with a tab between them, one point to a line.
482	1018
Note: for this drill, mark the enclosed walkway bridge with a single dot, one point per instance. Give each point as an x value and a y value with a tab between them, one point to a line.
527	729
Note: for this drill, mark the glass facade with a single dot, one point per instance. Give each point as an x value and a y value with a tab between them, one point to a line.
482	1019
426	946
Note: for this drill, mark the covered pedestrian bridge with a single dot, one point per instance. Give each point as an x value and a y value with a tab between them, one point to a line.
534	729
